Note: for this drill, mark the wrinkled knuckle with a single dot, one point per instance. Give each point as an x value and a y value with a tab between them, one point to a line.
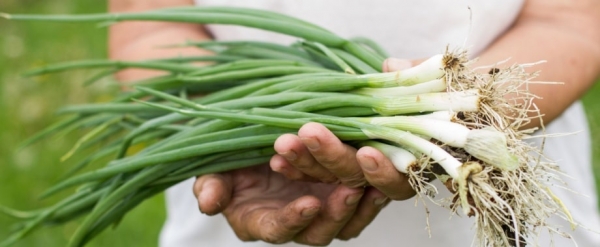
303	165
274	234
331	159
355	181
240	231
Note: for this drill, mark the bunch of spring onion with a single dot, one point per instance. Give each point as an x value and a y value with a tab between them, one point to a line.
439	120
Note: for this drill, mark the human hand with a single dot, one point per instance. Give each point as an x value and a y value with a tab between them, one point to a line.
263	205
315	154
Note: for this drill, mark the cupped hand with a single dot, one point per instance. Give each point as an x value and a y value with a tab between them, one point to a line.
263	205
317	193
316	154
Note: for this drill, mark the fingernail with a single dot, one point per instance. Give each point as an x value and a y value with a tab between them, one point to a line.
353	199
309	212
395	64
290	155
368	164
380	201
311	143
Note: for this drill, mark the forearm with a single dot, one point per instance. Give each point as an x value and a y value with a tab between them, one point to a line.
140	40
566	34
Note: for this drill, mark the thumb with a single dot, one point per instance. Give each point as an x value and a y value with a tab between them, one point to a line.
396	64
213	192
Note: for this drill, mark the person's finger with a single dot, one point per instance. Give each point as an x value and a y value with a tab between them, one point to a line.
332	154
370	205
213	192
396	64
282	166
296	153
271	224
381	174
338	209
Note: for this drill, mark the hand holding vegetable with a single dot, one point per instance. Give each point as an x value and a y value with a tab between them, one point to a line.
217	188
263	205
316	154
485	163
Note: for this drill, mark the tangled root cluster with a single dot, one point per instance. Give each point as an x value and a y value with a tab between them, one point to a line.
510	206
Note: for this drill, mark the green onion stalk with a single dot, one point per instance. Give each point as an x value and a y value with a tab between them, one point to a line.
438	120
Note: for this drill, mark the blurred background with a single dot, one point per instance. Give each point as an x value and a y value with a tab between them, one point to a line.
28	104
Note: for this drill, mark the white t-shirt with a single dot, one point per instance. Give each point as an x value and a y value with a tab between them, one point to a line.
407	29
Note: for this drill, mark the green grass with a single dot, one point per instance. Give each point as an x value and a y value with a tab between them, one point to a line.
592	108
28	104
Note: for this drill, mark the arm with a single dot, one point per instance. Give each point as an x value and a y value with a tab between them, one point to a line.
564	33
566	36
139	40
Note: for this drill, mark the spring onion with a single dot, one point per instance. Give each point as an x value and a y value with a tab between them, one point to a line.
440	119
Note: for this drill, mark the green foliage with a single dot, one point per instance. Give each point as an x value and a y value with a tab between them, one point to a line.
29	104
592	108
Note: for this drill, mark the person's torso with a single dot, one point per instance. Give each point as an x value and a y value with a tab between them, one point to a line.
407	29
